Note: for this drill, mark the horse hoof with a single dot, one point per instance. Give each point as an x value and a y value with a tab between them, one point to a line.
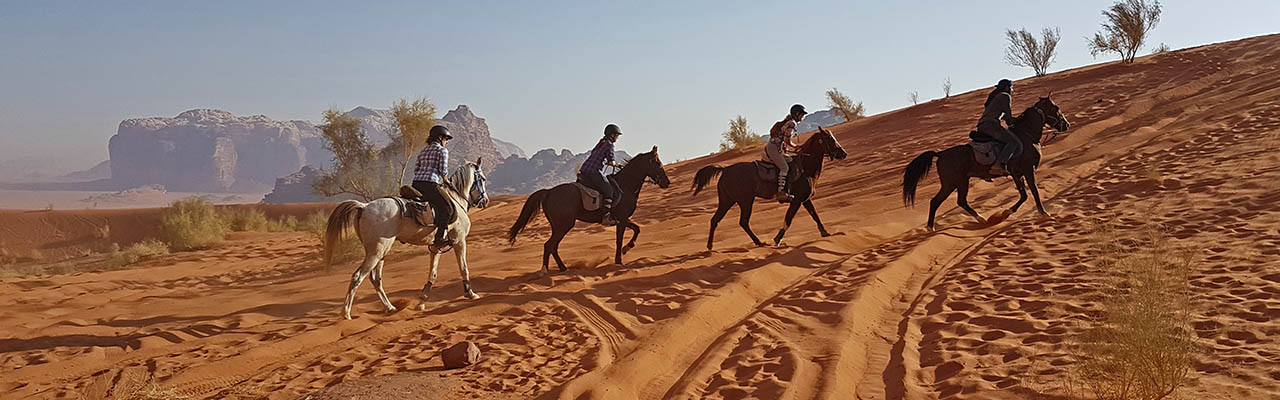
348	317
422	307
392	310
472	296
562	269
540	274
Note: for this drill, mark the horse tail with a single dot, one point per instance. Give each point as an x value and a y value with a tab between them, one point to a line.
915	170
344	216
704	177
531	206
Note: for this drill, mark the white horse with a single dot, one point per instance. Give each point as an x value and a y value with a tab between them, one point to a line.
378	223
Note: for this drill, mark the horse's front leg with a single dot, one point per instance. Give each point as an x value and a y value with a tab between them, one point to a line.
1031	182
792	208
635	229
460	250
431	280
808	206
619	231
1022	193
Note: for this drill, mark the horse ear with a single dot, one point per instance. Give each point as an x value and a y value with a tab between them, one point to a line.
478	160
655	149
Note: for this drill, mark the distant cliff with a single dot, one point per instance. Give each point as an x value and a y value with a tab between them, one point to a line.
546	168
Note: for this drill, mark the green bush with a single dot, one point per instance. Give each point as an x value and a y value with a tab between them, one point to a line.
137	252
246	220
191	223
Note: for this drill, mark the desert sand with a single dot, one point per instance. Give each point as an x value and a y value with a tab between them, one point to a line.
883	309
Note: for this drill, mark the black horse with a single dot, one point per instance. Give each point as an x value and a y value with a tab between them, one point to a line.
957	164
563	207
741	183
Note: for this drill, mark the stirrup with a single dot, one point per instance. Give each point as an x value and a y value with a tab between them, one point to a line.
608	220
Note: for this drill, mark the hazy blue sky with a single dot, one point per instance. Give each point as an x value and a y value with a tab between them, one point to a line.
543	74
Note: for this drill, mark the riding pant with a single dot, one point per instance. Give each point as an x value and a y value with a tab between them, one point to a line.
442	212
1010	145
596	180
773	150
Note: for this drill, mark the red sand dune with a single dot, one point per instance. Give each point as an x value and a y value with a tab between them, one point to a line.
1186	139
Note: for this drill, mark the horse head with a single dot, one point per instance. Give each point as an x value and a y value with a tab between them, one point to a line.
830	146
653	168
470	179
1052	114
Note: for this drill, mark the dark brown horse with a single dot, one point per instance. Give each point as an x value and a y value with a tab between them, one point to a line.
563	207
957	164
741	183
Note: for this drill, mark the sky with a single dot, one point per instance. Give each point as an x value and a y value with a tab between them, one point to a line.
544	74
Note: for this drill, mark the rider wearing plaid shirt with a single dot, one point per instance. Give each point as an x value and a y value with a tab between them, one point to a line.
429	179
592	174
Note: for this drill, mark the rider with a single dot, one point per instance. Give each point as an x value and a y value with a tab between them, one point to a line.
780	140
591	172
429	179
997	108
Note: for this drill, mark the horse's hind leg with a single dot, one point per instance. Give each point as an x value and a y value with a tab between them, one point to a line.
715	220
942	195
384	247
431	280
371	259
460	250
552	247
1031	182
744	220
792	208
962	199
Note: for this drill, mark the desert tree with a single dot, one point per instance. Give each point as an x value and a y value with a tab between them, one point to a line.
914	97
739	135
1126	28
946	88
413	123
1025	50
843	106
360	168
1160	49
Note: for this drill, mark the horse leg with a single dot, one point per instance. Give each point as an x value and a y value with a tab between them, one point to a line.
792	208
371	259
744	220
808	206
635	229
431	280
552	248
617	254
962	199
384	247
1031	182
460	250
715	220
1022	194
937	200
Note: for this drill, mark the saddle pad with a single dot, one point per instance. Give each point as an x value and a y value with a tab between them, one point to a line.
767	170
985	152
591	198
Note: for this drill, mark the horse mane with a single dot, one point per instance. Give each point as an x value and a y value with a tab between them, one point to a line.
811	141
460	182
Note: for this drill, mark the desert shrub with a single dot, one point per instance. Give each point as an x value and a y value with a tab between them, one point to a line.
844	106
1160	49
1126	28
914	96
136	252
314	222
1141	345
739	135
946	88
191	223
1026	51
102	232
245	219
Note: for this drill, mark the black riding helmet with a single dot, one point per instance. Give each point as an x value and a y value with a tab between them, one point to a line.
1004	84
612	129
439	132
798	110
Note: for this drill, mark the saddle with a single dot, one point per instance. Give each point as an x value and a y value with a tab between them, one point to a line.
985	148
592	199
768	174
415	207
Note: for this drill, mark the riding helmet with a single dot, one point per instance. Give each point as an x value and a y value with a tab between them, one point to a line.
612	129
798	109
438	132
1004	84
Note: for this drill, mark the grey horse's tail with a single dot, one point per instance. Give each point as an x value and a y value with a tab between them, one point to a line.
344	216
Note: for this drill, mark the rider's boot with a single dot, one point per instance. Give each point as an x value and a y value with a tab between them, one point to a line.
608	220
441	241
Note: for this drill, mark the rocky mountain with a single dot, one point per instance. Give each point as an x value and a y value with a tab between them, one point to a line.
207	150
508	149
471	139
822	118
546	168
100	171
